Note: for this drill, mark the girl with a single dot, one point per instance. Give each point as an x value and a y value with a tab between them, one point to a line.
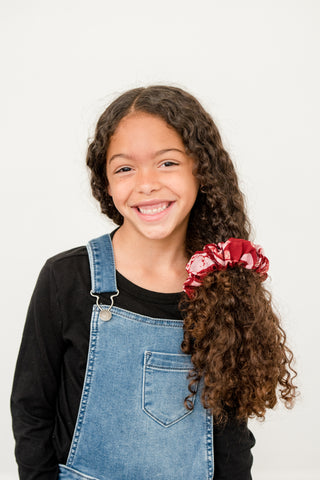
132	366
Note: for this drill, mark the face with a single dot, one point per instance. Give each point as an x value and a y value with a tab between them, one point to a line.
150	177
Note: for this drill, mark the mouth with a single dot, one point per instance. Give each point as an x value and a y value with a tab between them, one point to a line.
153	211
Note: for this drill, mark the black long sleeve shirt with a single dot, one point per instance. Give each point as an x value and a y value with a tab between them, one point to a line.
51	367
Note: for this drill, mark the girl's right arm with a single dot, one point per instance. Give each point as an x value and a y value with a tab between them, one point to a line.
36	383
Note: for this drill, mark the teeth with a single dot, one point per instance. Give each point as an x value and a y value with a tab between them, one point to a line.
152	211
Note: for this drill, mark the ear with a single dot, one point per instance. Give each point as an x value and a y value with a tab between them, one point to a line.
109	191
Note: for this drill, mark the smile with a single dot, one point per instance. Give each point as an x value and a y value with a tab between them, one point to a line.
153	210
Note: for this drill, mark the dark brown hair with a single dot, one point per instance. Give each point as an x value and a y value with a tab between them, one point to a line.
234	337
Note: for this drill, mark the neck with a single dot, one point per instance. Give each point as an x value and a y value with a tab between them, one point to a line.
155	264
142	249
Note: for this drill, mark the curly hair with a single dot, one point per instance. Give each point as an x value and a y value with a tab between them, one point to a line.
236	343
220	204
237	346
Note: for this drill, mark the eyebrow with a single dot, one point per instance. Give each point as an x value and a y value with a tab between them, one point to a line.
159	152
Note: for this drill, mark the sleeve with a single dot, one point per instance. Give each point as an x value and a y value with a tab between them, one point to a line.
36	382
232	451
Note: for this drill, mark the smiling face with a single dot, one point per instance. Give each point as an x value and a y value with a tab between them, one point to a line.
150	177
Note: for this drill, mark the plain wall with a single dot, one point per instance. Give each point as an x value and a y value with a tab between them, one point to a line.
255	67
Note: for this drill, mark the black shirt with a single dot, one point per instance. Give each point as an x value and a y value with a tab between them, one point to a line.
51	367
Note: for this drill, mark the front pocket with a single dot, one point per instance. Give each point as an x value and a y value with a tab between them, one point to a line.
165	386
67	473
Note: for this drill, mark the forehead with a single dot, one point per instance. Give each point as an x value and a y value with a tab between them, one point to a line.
140	127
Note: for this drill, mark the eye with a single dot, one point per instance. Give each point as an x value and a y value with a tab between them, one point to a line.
123	170
168	163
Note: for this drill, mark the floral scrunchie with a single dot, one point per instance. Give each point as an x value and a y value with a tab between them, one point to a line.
235	251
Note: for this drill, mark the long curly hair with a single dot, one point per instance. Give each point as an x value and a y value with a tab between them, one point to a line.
237	345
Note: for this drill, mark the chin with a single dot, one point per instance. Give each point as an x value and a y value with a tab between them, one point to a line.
157	233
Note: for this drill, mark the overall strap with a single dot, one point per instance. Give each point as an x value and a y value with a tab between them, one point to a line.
102	266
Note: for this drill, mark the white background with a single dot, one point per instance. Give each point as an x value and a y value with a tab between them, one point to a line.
255	66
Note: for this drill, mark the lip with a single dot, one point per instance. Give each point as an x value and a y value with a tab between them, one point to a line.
156	216
151	203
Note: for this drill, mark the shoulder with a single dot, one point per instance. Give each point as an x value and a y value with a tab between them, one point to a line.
68	260
74	254
68	270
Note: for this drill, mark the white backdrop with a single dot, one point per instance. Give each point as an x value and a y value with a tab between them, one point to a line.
255	66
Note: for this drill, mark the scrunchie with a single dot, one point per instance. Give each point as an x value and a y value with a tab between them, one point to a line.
234	251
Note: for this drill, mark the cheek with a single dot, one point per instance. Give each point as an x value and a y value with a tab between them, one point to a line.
193	186
118	194
111	187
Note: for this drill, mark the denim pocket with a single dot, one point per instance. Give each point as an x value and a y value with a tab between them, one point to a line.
67	473
165	386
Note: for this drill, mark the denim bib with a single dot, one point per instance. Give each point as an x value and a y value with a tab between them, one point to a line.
132	423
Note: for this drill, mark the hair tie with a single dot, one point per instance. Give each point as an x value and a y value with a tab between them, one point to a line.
213	257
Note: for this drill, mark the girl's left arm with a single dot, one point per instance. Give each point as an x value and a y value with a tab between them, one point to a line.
232	451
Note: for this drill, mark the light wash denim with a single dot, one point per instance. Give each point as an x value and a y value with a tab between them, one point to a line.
132	423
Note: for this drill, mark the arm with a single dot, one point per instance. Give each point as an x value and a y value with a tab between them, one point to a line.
36	383
232	451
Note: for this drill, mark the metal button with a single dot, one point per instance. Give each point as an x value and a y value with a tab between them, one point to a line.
105	315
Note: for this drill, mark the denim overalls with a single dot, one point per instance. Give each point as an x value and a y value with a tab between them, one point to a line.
132	423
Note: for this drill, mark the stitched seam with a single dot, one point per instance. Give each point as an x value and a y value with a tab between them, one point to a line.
58	301
168	369
86	385
209	441
137	317
147	356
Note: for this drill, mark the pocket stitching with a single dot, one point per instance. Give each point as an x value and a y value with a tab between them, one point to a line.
74	471
147	356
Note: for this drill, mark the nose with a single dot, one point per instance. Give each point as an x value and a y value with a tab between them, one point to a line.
147	181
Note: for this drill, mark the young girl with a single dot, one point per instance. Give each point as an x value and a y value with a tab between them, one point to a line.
133	366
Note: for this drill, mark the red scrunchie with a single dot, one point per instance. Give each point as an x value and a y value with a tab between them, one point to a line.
234	251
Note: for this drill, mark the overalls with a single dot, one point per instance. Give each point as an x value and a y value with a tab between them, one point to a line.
132	423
